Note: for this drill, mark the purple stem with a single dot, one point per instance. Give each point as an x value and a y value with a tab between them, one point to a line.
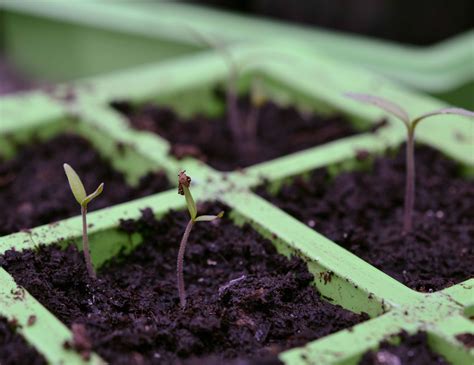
233	109
85	244
410	183
251	130
179	265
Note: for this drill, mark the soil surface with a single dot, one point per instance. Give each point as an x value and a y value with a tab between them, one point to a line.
280	131
467	339
34	189
13	348
362	211
246	303
413	350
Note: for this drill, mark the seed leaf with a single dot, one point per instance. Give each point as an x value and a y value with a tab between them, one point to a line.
184	182
94	195
190	203
454	111
75	183
382	103
209	218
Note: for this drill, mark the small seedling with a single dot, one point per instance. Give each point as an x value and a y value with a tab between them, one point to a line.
250	123
410	124
243	129
83	199
235	121
231	87
184	183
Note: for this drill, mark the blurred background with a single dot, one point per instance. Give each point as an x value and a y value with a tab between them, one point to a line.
427	44
417	22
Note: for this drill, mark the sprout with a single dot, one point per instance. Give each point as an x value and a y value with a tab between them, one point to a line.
242	128
83	199
250	124
410	125
231	89
184	182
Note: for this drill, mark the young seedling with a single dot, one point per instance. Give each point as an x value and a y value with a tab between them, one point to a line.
231	87
410	124
250	123
184	182
83	199
242	128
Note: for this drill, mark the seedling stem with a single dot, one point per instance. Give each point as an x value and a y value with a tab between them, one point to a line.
85	244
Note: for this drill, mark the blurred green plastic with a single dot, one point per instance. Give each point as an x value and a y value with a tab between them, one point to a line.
88	37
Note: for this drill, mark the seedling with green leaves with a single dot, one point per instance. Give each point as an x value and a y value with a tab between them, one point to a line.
184	183
410	124
83	199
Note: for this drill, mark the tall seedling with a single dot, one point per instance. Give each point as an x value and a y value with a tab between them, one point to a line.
410	124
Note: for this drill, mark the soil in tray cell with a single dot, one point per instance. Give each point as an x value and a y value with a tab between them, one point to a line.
362	211
34	189
246	302
13	348
278	131
413	350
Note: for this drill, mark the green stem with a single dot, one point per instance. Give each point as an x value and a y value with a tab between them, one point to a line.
179	265
85	244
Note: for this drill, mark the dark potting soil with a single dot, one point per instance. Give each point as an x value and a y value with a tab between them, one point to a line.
13	348
245	301
362	211
280	131
467	339
413	350
34	189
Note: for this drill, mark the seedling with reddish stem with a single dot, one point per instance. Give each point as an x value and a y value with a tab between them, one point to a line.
410	124
184	183
249	126
243	128
83	199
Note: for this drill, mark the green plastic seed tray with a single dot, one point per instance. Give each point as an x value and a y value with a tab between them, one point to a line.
186	84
